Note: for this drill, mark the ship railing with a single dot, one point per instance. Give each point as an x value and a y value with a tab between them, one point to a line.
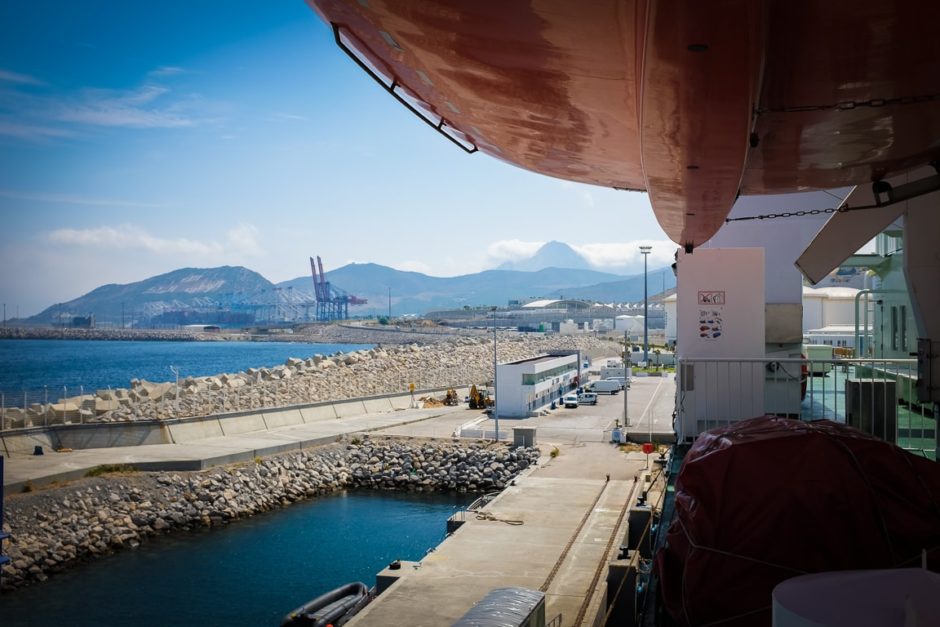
877	396
460	516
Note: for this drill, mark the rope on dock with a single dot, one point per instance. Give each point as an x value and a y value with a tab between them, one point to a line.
489	516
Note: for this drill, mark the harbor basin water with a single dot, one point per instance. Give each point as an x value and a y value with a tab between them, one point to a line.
251	572
97	364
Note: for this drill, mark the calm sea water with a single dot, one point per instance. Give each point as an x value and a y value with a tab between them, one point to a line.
32	364
252	572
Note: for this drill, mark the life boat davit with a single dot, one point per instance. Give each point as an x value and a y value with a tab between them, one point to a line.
333	608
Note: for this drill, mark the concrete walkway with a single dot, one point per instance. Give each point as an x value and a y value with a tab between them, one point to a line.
203	453
570	529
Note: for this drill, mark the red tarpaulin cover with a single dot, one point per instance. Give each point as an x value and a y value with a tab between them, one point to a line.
771	498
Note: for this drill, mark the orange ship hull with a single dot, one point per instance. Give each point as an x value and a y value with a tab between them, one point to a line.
694	102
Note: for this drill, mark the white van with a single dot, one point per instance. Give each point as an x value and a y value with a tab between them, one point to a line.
587	398
611	387
570	400
621	380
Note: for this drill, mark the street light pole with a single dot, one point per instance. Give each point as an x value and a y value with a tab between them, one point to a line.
645	251
495	393
626	379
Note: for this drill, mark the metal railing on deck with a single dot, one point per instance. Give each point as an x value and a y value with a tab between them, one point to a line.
877	396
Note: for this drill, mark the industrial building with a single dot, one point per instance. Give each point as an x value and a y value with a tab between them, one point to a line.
525	386
565	316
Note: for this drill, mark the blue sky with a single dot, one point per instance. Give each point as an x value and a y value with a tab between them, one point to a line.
136	138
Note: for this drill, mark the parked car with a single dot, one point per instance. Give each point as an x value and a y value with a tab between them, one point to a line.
571	400
587	398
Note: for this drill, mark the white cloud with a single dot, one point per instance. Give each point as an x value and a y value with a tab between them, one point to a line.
124	108
413	265
24	130
241	241
293	117
511	250
166	70
22	79
127	236
627	254
76	199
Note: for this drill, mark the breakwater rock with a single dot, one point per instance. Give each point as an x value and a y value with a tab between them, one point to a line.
306	379
59	527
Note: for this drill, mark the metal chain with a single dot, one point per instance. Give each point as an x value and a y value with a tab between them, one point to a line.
848	105
808	212
794	214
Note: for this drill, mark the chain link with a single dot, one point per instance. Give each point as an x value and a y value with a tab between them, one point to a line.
848	105
798	214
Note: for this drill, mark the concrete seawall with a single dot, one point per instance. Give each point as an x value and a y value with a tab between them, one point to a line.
184	430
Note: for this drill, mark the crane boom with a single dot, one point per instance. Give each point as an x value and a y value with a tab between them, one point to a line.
332	302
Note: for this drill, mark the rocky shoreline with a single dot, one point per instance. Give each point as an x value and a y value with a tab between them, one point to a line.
335	333
454	362
57	528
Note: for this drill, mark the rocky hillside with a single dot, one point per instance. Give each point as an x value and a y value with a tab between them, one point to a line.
186	288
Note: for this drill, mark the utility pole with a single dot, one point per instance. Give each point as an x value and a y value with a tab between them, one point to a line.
626	379
645	251
495	393
389	303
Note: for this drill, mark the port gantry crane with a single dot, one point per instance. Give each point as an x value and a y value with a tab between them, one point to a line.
332	302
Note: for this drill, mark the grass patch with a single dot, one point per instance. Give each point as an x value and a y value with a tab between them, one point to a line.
555	452
105	469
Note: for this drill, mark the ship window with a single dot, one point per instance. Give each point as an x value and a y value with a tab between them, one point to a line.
903	327
894	328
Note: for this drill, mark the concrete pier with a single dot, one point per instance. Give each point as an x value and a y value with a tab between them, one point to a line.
573	521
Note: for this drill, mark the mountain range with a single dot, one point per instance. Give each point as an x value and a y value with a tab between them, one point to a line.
190	294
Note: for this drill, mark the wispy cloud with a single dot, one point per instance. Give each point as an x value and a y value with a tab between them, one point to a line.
21	79
53	113
128	108
413	265
24	130
127	236
511	250
76	199
627	254
240	240
290	116
166	70
243	239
